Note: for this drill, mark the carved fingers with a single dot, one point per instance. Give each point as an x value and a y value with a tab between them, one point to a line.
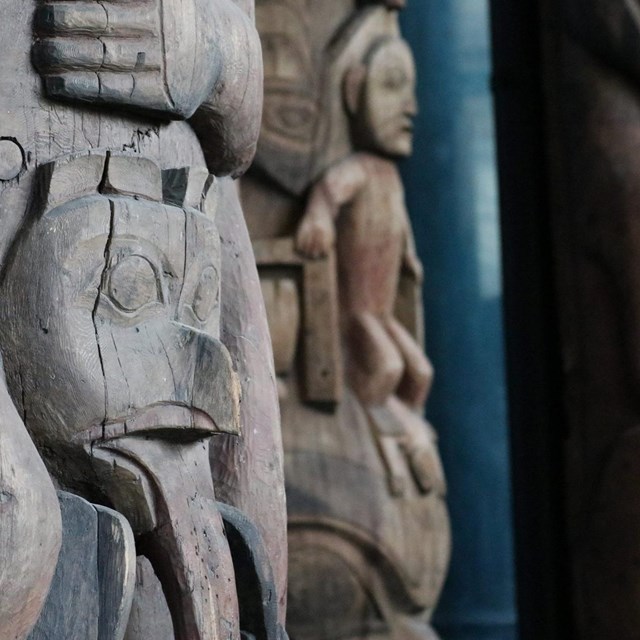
156	55
316	235
101	52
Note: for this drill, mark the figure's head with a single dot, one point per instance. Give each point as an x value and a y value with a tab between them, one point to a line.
380	98
110	317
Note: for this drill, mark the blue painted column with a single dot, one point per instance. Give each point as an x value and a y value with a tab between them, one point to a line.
451	188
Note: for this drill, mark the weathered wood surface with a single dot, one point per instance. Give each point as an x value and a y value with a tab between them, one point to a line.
150	616
92	590
72	609
368	527
593	65
257	591
247	471
116	572
116	290
30	526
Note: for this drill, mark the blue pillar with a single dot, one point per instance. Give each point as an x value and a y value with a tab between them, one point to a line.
451	188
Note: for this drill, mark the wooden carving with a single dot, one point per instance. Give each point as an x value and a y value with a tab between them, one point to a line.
368	526
594	73
29	521
131	321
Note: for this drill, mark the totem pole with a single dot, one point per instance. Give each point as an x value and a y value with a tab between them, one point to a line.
132	329
593	74
368	525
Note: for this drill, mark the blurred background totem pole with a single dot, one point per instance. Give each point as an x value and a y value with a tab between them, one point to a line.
368	526
593	70
132	326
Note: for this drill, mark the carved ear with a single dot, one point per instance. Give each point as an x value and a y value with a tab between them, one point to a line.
352	87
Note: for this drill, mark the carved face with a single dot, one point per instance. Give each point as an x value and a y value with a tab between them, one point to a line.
290	113
110	316
388	102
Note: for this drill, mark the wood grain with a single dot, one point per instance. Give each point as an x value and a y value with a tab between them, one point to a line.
92	590
116	573
30	526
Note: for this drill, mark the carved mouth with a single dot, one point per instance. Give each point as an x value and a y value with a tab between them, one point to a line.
166	421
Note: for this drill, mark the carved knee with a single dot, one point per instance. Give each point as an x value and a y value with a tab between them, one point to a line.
375	365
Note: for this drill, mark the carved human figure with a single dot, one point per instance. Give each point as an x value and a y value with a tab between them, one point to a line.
363	197
116	287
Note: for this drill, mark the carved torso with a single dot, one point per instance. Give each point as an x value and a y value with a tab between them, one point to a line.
372	232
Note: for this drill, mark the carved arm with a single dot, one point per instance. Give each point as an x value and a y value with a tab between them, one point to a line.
339	186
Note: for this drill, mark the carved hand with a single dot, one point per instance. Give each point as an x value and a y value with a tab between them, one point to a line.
316	235
157	55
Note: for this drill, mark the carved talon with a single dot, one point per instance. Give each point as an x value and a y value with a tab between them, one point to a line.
102	52
146	55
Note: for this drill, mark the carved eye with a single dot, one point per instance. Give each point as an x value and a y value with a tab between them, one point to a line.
206	295
395	79
133	283
289	113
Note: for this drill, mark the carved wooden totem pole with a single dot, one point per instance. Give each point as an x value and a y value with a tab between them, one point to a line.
594	77
132	330
368	526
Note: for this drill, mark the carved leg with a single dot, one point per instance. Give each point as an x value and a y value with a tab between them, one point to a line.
416	382
375	365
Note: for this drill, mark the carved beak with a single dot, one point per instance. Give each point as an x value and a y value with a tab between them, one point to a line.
165	489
